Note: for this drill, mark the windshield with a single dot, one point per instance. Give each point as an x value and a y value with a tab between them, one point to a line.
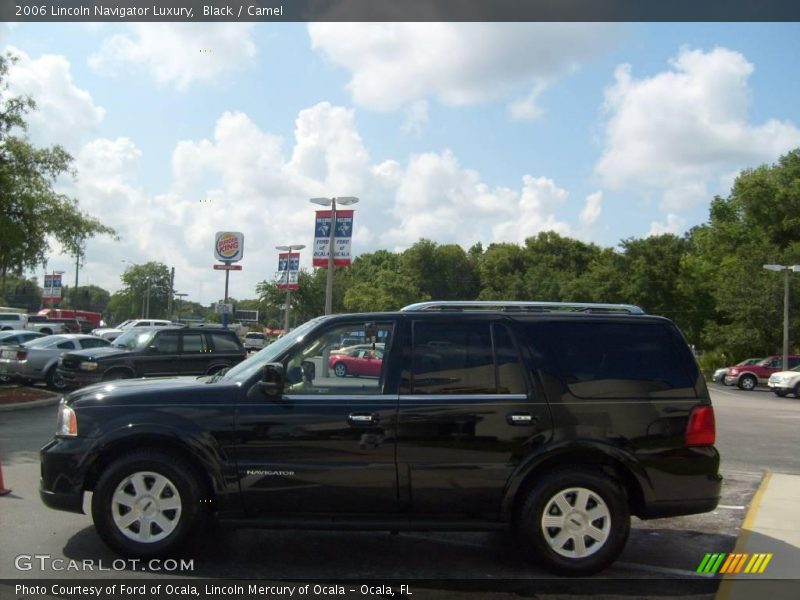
135	339
247	368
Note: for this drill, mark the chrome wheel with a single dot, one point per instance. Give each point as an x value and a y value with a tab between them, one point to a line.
146	507
748	383
340	369
576	522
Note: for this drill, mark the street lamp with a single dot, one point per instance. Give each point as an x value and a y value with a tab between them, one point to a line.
288	249
345	201
786	269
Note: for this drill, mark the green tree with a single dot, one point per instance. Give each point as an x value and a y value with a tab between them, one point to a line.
146	290
30	209
86	297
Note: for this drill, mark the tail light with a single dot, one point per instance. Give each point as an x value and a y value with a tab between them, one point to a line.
701	430
22	354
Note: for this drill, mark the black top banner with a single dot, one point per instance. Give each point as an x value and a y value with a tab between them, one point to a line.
399	10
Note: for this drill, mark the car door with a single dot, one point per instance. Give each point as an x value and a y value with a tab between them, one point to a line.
161	357
194	354
328	444
467	415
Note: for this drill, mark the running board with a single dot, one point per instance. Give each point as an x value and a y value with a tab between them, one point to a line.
364	524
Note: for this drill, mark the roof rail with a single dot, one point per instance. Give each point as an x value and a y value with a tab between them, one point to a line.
521	306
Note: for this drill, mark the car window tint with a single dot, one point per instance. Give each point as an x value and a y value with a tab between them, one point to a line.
615	360
793	362
166	342
453	359
224	343
193	343
68	345
510	373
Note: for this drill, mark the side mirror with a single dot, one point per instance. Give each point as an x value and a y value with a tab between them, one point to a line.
152	349
272	381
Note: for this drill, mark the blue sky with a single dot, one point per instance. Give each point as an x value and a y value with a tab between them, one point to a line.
455	132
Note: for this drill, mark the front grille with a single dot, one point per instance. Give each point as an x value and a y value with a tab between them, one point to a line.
70	363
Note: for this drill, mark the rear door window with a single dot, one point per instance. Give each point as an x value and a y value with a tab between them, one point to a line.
465	358
194	343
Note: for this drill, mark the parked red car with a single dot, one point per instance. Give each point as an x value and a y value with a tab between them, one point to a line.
747	377
357	362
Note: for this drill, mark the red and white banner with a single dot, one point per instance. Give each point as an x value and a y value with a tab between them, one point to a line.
293	262
343	234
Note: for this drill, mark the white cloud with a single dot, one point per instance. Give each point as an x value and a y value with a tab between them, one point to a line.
526	109
178	54
66	114
416	119
592	209
675	225
534	211
681	131
396	64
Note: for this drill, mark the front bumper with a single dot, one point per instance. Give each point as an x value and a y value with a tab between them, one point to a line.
64	466
80	378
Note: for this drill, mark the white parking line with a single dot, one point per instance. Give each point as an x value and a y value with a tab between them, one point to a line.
731	507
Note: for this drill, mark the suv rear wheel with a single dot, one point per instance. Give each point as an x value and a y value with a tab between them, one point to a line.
145	504
574	522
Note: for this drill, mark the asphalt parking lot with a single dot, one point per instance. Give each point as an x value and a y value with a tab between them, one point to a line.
756	431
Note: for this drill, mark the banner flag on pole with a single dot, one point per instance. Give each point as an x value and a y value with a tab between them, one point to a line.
293	260
52	286
343	236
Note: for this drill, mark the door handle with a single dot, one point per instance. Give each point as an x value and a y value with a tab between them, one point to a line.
362	419
521	419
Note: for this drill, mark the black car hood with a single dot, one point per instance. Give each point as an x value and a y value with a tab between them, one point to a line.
99	353
166	390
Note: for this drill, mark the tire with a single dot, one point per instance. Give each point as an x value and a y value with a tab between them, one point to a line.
54	380
569	499
781	393
132	517
747	383
340	369
216	369
117	374
797	390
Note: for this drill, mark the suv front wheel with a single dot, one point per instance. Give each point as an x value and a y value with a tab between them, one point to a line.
574	521
747	383
145	504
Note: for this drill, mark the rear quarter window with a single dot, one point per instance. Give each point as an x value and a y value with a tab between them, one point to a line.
224	343
615	359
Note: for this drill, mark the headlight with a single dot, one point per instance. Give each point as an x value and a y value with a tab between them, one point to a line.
88	366
67	424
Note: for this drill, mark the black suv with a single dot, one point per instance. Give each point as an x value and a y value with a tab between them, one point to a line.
558	420
152	352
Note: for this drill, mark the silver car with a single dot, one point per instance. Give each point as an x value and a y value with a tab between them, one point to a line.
37	360
15	337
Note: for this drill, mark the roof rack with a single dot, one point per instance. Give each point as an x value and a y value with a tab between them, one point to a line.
522	306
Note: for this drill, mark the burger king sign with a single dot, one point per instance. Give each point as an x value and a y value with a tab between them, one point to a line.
228	246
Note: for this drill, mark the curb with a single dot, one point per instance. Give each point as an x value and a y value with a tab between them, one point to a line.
32	404
725	587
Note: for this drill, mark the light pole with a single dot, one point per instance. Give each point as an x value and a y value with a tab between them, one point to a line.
786	269
180	297
288	249
345	201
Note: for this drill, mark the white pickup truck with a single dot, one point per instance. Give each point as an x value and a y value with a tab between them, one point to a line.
44	325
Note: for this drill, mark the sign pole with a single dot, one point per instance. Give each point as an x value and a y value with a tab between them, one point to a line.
225	301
